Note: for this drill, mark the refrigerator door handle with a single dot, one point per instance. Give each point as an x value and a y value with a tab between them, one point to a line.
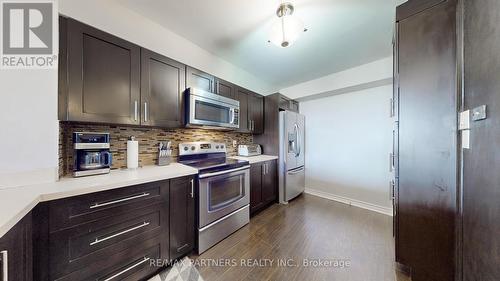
297	147
299	140
296	171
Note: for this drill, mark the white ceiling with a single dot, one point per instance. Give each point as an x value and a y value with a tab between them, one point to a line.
341	33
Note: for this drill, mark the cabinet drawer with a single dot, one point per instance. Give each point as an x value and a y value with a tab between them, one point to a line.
80	246
72	211
131	264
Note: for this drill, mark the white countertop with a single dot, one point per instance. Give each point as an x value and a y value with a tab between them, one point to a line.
256	159
16	202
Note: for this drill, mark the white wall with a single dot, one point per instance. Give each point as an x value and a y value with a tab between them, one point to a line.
28	127
349	134
348	140
363	74
118	20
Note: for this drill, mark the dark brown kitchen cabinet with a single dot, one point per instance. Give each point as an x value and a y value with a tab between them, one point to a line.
242	97
270	182
256	171
426	56
288	104
200	80
256	113
162	86
263	185
225	88
16	252
99	77
251	111
182	216
98	235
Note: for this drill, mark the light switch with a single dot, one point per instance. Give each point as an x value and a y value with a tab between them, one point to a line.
235	143
479	113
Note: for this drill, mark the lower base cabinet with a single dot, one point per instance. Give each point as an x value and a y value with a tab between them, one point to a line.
16	259
129	233
182	223
263	185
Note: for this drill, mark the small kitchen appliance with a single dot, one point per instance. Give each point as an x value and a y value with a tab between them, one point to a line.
223	192
91	154
249	150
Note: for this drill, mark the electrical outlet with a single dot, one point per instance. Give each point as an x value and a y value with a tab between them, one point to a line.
235	143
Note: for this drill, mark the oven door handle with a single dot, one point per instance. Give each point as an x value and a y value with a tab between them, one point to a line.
202	176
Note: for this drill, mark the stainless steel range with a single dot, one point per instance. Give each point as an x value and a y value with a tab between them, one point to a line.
224	191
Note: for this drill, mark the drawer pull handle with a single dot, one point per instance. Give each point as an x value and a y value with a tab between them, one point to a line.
97	240
145	259
98	205
5	265
181	248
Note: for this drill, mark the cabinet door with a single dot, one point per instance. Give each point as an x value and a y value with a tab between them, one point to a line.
225	88
242	97
269	182
16	252
103	74
256	113
288	104
200	80
162	85
256	171
182	223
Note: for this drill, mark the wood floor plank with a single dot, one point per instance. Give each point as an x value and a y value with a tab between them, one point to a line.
312	229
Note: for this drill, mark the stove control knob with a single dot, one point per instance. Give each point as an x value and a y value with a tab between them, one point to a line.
193	148
216	147
222	146
186	148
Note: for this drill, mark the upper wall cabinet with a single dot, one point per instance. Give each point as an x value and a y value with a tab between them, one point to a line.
256	113
225	88
288	104
162	85
106	79
198	79
242	97
99	76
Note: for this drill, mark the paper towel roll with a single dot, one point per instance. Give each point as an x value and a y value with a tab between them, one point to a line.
132	154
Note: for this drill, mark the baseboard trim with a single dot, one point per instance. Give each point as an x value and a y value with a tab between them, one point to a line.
351	202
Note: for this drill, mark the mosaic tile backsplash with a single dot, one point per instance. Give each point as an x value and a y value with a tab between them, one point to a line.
148	142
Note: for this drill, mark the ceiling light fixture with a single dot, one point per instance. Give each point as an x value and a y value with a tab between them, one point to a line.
287	28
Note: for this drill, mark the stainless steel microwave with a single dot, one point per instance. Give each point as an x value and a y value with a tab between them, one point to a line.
207	110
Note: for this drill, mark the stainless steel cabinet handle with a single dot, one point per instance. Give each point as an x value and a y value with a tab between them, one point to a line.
145	259
264	169
182	248
146	112
97	205
5	265
391	162
391	109
97	240
135	110
192	188
391	190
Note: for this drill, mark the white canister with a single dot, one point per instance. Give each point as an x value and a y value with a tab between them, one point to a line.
132	153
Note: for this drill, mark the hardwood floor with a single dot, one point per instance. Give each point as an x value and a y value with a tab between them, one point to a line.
308	228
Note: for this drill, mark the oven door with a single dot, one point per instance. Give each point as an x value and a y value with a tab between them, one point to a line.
207	109
222	193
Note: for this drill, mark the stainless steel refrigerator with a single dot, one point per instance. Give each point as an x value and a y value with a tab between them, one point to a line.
291	156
